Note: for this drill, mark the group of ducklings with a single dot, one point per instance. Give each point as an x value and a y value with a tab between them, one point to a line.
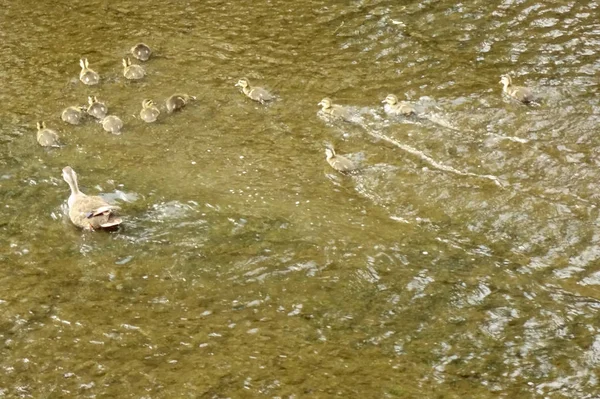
394	107
93	212
98	110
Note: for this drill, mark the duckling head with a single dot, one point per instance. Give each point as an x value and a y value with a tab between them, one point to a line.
84	63
325	103
147	103
41	125
243	83
126	62
391	99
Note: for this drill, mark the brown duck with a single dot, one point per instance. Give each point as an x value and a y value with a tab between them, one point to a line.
47	137
519	93
132	71
335	110
394	107
90	212
87	75
255	93
141	51
177	101
338	162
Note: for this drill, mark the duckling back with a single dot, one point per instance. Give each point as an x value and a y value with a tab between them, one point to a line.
72	115
46	137
177	101
112	124
141	51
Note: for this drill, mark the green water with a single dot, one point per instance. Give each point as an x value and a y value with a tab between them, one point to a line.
462	262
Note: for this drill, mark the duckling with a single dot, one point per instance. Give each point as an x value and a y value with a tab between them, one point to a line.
112	124
141	51
96	108
72	115
89	212
519	93
88	76
132	71
394	107
335	110
47	137
149	112
255	93
338	162
177	101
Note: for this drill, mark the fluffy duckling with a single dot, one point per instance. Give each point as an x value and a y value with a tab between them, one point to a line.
89	212
87	76
141	51
47	137
394	107
177	101
335	110
149	112
72	115
255	93
96	108
112	124
338	162
519	93
132	71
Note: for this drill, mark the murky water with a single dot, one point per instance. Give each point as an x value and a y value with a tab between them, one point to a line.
464	261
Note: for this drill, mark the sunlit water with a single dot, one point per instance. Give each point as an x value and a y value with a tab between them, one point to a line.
462	261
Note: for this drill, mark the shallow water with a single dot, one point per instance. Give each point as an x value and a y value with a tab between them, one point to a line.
463	261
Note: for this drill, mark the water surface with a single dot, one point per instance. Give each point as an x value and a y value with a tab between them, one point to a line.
463	261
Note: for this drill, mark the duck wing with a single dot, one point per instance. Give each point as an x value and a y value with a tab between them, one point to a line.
92	212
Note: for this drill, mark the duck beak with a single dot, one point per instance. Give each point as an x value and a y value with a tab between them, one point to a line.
384	100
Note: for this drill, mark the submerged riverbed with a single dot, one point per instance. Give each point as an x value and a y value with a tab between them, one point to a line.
462	261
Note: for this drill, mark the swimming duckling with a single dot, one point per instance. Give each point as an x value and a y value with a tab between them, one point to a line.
394	107
141	51
255	93
47	137
132	71
72	115
89	212
177	101
149	112
87	76
96	108
112	124
338	162
334	110
519	93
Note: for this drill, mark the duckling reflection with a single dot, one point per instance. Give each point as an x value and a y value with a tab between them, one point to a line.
89	212
394	107
338	162
335	110
149	112
255	93
519	93
177	101
132	71
112	124
96	108
72	115
47	137
87	75
141	51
